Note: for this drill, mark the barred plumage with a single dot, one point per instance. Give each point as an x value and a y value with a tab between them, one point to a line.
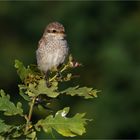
53	48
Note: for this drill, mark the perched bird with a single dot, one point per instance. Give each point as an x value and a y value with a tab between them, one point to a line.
52	49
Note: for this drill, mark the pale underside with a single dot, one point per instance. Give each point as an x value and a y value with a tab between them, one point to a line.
51	53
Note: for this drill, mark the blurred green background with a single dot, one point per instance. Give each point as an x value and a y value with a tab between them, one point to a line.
104	36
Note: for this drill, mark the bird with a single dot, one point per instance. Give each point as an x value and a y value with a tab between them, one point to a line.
52	47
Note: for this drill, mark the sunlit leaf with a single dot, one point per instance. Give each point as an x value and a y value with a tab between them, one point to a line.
41	88
81	91
21	70
65	126
8	107
2	138
32	135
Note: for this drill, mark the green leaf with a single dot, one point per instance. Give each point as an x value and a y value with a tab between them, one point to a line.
8	107
21	70
16	131
16	134
65	126
32	135
41	88
2	138
4	127
22	92
86	92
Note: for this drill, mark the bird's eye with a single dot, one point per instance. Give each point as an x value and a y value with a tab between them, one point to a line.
54	31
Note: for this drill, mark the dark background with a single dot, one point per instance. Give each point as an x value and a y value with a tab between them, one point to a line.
104	36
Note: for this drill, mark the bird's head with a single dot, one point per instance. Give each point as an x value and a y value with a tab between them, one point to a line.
55	29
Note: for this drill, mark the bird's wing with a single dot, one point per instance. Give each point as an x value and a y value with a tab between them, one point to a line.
42	42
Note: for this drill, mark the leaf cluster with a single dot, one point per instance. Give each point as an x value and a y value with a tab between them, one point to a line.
34	88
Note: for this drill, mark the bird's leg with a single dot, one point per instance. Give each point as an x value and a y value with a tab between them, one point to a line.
47	79
59	74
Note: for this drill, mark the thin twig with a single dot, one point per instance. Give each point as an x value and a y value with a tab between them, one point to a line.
64	68
30	115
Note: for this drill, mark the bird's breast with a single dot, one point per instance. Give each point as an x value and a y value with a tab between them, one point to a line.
52	54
